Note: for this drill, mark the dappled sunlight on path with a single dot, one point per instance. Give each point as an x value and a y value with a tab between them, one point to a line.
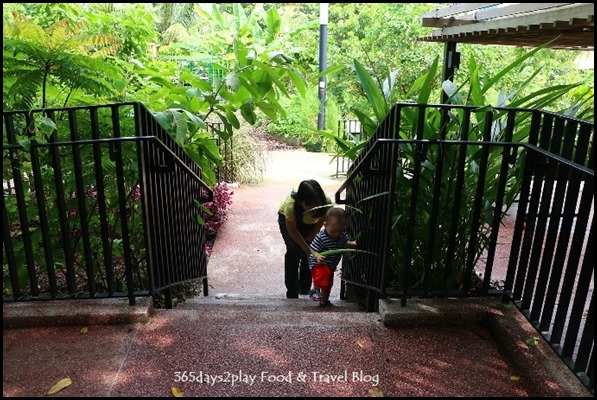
248	254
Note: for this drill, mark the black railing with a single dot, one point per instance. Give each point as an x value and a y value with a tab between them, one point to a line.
98	201
433	196
352	131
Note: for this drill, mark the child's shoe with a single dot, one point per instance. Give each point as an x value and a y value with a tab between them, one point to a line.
314	295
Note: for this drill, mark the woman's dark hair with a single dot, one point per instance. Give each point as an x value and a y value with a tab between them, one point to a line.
309	192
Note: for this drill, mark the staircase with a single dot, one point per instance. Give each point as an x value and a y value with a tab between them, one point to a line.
239	345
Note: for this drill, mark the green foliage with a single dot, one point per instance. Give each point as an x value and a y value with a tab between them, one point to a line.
132	23
300	121
46	14
478	91
545	68
98	227
233	70
382	36
344	251
35	58
300	118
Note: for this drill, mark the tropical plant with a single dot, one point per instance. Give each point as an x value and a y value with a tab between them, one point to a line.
379	35
61	56
238	68
44	66
75	205
300	121
132	23
445	158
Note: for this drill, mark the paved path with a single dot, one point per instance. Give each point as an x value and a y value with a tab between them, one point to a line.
248	255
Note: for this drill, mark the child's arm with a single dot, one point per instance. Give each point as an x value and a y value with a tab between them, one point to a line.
351	243
317	246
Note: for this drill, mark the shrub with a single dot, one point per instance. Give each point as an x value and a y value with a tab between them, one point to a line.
249	158
301	121
216	212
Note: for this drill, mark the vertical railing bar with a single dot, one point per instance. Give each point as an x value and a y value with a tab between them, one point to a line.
478	204
41	207
338	157
161	220
197	190
82	206
197	252
10	255
101	202
565	292
580	297
396	114
62	215
166	180
437	183
460	182
190	233
542	213
158	217
499	203
529	229
143	128
591	372
373	279
201	249
178	244
413	204
171	213
556	233
155	217
19	191
195	249
587	339
185	228
122	197
513	265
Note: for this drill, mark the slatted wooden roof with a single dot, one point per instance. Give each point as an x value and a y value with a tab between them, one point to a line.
514	24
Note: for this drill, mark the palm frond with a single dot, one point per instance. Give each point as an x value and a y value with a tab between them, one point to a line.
342	251
333	205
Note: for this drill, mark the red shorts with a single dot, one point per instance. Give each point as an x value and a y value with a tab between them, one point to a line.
323	277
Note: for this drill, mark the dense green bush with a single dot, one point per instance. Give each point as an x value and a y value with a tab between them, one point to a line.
301	121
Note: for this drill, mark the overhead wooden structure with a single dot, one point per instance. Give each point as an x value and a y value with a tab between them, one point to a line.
570	26
514	24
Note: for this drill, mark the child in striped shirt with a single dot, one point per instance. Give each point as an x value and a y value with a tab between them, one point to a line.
332	236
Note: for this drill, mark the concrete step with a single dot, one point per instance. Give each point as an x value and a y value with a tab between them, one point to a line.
269	301
232	309
215	309
78	312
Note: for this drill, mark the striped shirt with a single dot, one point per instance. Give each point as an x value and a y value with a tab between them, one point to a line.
324	242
